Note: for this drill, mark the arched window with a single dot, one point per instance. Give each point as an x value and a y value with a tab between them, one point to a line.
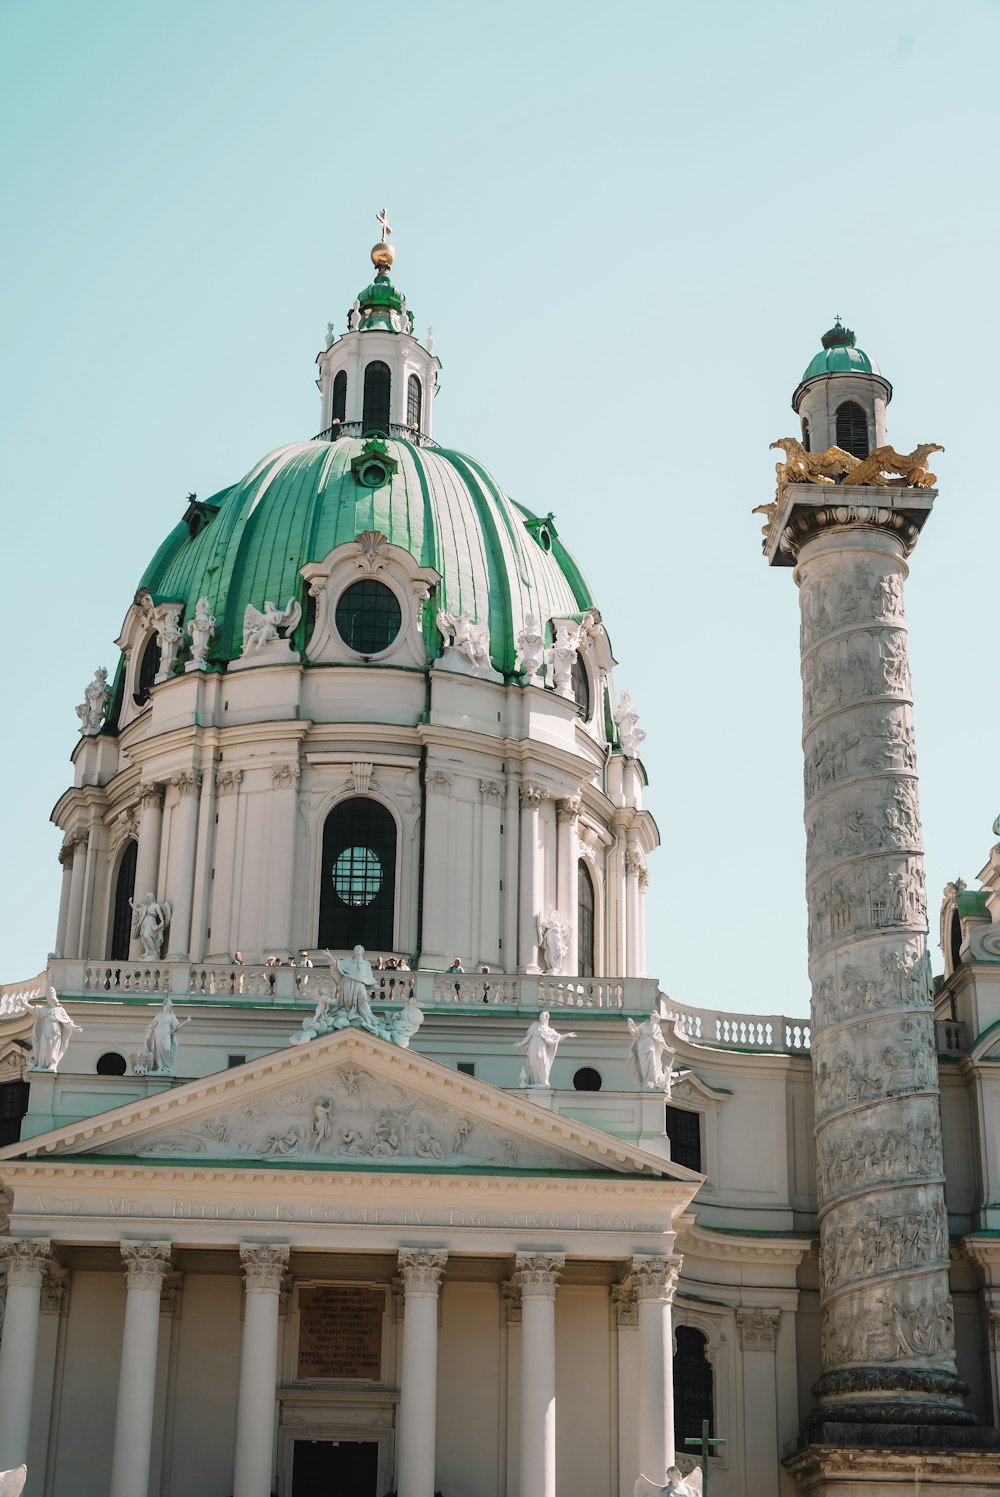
414	400
121	918
805	434
584	921
358	887
338	411
955	939
378	389
580	682
693	1401
852	429
148	667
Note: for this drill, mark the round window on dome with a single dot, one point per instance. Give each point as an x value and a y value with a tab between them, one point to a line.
368	617
357	876
372	475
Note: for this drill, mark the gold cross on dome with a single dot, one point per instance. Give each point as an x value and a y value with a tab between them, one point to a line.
382	219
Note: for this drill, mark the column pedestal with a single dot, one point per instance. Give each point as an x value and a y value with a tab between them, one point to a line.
420	1270
655	1280
264	1265
146	1263
26	1260
536	1275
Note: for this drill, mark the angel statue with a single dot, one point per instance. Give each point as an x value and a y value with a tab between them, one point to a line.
150	919
50	1033
95	703
260	629
553	939
678	1484
12	1482
460	633
646	1053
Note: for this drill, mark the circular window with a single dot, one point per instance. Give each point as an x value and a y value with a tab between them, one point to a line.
111	1064
372	475
586	1079
368	617
544	539
357	876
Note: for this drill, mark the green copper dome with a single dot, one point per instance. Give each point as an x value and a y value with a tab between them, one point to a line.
495	557
839	355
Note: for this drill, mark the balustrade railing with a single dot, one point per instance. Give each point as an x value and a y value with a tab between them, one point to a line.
223	982
396	431
16	998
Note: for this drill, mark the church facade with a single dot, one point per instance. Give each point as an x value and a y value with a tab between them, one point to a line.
349	1146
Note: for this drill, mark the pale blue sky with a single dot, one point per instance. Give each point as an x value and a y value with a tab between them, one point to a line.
628	226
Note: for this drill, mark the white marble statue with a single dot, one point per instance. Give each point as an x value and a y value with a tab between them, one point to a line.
260	629
161	1039
404	318
540	1045
554	932
149	921
50	1034
678	1485
330	335
460	633
530	648
356	979
170	637
406	1024
561	657
202	631
627	720
12	1482
646	1053
354	316
95	703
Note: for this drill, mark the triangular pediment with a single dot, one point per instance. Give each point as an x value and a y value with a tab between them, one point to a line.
344	1101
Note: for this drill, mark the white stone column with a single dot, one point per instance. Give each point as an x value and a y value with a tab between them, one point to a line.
204	855
536	1275
511	862
227	788
634	865
180	874
436	937
66	863
643	886
145	1264
654	1278
147	863
420	1270
26	1258
758	1332
278	938
491	873
530	884
264	1265
567	873
78	878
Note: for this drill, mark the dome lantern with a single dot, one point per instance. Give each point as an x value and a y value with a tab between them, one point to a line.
378	377
842	397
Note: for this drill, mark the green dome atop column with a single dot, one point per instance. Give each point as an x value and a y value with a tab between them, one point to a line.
839	355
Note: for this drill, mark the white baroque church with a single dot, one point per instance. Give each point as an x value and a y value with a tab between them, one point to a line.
478	1210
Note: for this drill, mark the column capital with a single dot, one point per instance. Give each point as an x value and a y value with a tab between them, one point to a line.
26	1258
187	781
758	1328
65	854
264	1265
654	1277
440	780
626	1303
568	809
537	1274
145	1263
55	1283
151	793
420	1270
635	863
227	780
286	774
532	797
491	792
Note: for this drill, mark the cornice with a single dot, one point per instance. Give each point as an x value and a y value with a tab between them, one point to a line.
703	1242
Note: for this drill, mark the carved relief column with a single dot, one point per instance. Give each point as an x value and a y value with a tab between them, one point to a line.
26	1259
264	1265
654	1279
420	1270
567	875
147	863
222	875
492	872
530	883
439	869
757	1329
180	872
537	1275
66	864
77	845
887	1318
145	1264
278	918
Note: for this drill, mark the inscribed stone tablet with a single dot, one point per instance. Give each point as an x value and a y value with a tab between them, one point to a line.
340	1331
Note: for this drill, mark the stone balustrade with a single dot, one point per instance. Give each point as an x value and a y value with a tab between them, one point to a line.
711	1026
16	998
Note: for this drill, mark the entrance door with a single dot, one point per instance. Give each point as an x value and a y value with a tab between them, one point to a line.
335	1468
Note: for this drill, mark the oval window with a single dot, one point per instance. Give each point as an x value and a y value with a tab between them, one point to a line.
368	617
357	876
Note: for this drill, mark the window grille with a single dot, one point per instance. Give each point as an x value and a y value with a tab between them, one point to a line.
580	682
359	877
368	617
414	402
684	1133
693	1391
852	429
378	390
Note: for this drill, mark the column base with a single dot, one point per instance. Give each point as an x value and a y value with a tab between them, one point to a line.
898	1397
965	1468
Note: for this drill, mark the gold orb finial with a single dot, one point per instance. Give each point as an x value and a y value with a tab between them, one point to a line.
383	253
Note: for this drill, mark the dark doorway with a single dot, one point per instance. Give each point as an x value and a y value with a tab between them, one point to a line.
334	1468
